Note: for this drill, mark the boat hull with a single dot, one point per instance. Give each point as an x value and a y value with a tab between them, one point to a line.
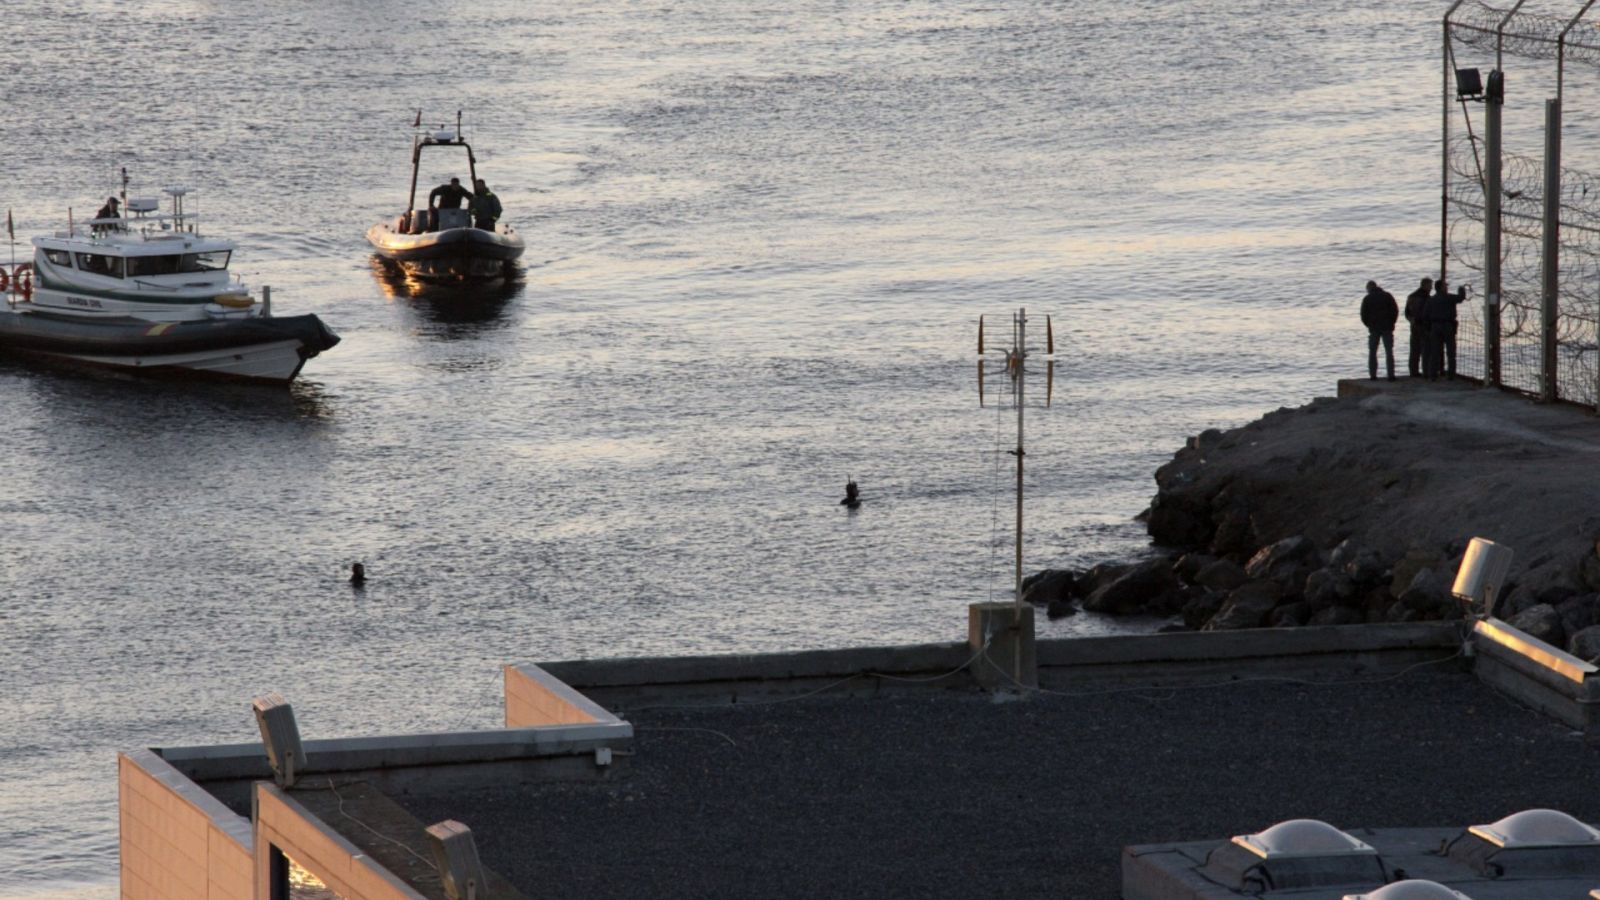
450	253
259	349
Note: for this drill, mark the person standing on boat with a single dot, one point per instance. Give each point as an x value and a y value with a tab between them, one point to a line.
485	206
1378	313
446	196
109	211
1415	301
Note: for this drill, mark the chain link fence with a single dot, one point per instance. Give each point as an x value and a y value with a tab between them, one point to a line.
1529	35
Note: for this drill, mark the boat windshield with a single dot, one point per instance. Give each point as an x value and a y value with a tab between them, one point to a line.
211	261
100	264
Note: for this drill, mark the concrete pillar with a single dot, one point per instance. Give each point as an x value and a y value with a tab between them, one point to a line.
1550	280
1009	663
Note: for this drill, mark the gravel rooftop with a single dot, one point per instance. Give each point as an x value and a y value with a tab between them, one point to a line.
946	793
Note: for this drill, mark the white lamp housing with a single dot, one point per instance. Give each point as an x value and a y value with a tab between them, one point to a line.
1483	572
280	735
456	855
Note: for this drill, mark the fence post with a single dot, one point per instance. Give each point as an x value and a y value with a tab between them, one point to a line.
1493	100
1550	257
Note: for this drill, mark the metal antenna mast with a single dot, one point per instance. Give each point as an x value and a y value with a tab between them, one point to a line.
1016	367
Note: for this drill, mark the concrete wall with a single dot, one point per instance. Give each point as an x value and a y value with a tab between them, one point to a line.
1132	659
285	824
1191	656
177	842
621	683
535	697
1532	672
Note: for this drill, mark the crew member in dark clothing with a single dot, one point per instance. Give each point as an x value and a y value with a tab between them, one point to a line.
1440	314
109	211
1415	301
1379	313
446	196
485	206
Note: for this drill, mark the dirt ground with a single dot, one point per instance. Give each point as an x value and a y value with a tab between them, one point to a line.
1405	466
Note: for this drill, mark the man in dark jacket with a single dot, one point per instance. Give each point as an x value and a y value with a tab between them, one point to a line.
1440	314
1415	301
1378	313
485	206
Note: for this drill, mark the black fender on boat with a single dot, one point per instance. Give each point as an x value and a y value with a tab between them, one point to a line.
43	332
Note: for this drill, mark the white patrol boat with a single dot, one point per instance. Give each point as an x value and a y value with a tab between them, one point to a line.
147	292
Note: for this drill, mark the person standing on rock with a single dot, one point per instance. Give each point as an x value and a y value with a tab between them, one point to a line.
1440	314
1415	301
1379	313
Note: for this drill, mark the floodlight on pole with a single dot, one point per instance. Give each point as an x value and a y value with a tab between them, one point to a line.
1469	84
280	735
1482	574
456	855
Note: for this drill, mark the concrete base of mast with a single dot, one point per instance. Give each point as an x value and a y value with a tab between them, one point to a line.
1004	632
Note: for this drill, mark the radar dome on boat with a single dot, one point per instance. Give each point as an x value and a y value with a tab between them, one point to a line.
175	190
1302	837
1414	889
143	204
444	135
1537	828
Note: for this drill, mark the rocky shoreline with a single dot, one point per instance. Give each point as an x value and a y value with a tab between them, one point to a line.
1358	510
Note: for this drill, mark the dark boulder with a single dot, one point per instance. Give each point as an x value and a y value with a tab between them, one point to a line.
1589	572
1400	612
1555	594
1235	536
1338	615
1407	567
1585	644
1178	519
1098	576
1289	615
1060	609
1206	441
1282	561
1190	564
1329	586
1201	607
1049	586
1247	606
1365	569
1426	594
1540	621
1221	575
1578	613
1145	586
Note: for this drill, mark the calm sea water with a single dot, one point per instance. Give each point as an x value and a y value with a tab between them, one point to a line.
760	237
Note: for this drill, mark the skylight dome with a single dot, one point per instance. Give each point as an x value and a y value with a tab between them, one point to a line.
1302	838
1415	889
1537	828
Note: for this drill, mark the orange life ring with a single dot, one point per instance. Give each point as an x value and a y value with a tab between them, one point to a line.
22	278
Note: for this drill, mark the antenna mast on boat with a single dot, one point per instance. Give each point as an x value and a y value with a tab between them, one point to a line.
1016	368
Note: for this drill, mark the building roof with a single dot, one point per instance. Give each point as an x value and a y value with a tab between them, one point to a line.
944	793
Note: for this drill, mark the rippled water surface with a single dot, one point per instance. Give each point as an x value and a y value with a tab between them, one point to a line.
760	236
